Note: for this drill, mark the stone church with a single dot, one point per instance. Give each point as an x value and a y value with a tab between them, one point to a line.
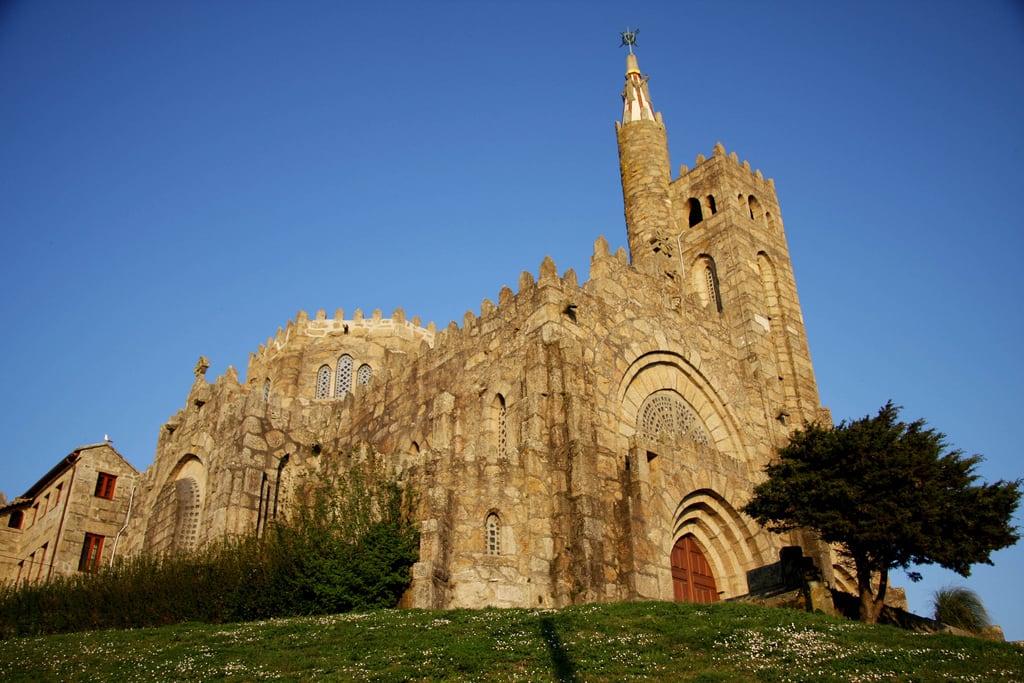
573	442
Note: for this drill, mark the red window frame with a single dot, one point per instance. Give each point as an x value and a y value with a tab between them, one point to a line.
42	561
16	519
105	484
92	551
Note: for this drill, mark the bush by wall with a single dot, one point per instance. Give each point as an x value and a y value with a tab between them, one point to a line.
348	545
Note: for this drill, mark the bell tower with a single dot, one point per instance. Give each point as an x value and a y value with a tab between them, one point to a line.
715	233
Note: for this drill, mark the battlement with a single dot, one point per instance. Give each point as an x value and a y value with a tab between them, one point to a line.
376	327
719	155
507	306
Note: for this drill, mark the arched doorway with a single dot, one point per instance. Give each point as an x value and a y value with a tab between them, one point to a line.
692	580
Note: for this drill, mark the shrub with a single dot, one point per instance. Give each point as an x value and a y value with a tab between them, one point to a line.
960	607
348	544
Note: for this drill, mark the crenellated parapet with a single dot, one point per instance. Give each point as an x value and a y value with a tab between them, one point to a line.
537	300
719	152
320	326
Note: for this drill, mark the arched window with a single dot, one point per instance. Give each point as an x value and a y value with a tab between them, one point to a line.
323	381
343	376
711	291
501	423
711	204
190	503
755	207
493	534
364	375
266	390
696	214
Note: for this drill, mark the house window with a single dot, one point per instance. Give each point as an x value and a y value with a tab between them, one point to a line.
57	491
92	550
15	520
105	486
343	377
42	561
364	375
323	381
493	534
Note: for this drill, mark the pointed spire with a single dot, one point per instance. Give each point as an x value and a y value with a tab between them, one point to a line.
636	100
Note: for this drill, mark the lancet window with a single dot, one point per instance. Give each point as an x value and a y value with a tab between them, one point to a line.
493	534
501	423
343	376
696	214
707	282
323	381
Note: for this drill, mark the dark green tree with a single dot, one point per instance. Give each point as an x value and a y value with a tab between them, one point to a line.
887	495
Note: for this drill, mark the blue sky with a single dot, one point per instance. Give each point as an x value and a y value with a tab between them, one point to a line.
181	178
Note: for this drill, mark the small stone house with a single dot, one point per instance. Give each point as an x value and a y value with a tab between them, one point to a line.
71	519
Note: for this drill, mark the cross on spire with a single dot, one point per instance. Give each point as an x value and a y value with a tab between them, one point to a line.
629	38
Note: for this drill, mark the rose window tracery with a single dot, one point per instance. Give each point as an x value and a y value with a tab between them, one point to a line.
666	411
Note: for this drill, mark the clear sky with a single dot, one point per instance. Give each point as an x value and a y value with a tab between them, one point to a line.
181	178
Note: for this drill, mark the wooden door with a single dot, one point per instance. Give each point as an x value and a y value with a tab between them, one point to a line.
692	580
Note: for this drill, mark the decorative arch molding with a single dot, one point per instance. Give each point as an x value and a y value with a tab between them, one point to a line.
730	542
657	371
175	522
844	574
189	477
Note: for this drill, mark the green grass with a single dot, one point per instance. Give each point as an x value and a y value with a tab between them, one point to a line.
619	642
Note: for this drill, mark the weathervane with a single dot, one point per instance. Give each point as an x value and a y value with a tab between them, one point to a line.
629	38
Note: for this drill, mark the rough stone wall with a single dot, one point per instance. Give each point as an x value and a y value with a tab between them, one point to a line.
572	366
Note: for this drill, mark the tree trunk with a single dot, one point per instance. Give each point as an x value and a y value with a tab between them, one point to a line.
870	604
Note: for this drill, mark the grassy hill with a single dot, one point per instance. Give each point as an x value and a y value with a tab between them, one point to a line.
619	642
